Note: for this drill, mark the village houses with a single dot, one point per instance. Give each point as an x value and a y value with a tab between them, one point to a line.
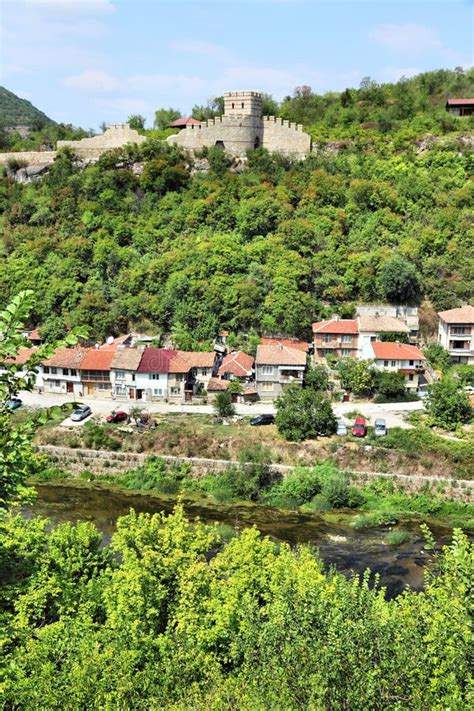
402	358
456	333
277	366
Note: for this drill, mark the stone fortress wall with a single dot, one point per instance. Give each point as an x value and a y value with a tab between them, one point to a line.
87	149
242	128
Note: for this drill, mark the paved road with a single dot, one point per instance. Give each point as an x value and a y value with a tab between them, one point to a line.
393	413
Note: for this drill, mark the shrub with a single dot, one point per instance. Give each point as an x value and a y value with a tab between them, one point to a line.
397	537
296	489
304	413
223	405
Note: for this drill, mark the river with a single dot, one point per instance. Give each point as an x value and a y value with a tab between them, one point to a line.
339	544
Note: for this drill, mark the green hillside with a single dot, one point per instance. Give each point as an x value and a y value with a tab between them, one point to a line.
272	248
19	112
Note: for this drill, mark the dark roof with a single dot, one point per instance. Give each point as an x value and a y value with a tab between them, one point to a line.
156	360
184	121
460	102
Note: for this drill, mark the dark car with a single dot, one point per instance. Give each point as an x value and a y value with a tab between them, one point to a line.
262	420
13	403
119	416
81	413
359	428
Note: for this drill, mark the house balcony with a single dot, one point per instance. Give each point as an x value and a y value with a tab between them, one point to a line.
460	346
412	371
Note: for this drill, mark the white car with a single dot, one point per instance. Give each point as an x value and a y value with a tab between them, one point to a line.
81	413
341	428
380	428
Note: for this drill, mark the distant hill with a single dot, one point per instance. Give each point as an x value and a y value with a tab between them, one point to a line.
20	112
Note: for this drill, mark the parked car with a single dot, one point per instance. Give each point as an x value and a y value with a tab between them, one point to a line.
14	403
119	416
262	420
341	428
359	428
380	428
81	413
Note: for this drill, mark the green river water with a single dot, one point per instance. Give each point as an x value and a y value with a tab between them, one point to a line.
338	543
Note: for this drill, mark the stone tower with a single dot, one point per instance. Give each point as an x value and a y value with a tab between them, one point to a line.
243	103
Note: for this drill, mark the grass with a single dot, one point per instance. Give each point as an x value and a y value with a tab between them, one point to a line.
397	537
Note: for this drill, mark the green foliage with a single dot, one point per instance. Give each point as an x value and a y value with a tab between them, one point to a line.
168	616
163	117
223	405
136	121
397	537
399	281
448	404
304	414
390	385
19	112
96	436
437	356
358	376
316	377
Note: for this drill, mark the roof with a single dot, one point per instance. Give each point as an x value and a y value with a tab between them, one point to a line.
21	357
289	342
460	102
217	385
127	358
156	360
237	363
184	121
396	351
199	359
464	314
34	335
340	325
66	358
97	359
178	364
382	324
279	355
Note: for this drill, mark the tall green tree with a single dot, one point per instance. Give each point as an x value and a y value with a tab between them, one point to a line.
303	413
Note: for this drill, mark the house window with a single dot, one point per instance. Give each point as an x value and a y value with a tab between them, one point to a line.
373	338
266	387
393	363
175	391
345	352
54	371
179	377
72	371
385	364
158	392
412	362
327	337
153	376
120	375
267	369
346	338
65	371
45	369
103	386
57	383
411	377
203	371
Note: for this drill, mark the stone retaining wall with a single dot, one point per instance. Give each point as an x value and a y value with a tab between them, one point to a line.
107	462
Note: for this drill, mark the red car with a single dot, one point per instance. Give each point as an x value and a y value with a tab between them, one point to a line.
118	416
359	428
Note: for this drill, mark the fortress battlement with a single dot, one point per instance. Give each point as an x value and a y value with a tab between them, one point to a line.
283	122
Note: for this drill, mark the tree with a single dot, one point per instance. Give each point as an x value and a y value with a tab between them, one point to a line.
303	413
358	376
223	405
390	386
214	107
163	117
316	377
17	460
136	121
438	357
399	281
448	404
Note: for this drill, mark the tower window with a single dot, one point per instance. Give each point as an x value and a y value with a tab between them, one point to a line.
233	106
242	104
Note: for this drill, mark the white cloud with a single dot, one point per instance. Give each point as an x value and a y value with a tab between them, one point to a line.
93	80
407	37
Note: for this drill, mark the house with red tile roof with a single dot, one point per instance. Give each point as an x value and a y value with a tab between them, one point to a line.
202	366
277	366
163	374
289	342
94	370
338	337
60	373
123	372
236	365
402	358
456	333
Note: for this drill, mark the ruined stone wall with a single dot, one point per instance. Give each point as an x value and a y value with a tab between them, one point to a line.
114	136
36	158
280	136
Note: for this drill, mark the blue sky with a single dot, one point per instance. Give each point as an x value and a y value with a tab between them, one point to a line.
88	61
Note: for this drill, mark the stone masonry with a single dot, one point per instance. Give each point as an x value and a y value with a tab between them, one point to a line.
243	128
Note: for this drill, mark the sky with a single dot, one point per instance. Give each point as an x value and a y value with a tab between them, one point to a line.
91	61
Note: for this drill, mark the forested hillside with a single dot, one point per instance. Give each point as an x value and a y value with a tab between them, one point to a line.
19	112
386	216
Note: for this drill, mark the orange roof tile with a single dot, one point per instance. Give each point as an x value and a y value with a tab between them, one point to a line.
289	342
341	325
178	364
396	351
66	358
21	357
279	355
382	324
215	384
97	359
464	314
237	363
199	359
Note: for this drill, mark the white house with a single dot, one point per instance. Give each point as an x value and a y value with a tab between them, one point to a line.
123	374
456	333
401	358
371	329
60	373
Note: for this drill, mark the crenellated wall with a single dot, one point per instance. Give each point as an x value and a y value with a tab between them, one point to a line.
281	136
115	136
